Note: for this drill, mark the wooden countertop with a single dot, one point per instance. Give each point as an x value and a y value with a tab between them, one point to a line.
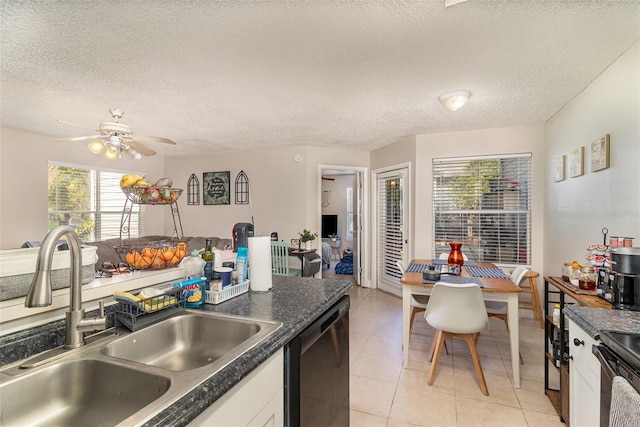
586	300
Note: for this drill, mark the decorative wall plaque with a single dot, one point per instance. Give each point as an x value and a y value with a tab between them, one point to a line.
215	188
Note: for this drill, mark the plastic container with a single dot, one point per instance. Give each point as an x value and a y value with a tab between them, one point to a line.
192	292
241	263
194	265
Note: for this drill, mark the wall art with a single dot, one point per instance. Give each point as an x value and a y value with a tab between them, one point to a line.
558	168
215	188
193	190
600	153
576	162
242	189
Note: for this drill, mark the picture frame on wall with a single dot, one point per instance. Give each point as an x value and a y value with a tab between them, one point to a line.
600	153
216	189
558	168
576	162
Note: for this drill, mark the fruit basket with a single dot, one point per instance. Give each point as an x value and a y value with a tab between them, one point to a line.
152	255
152	195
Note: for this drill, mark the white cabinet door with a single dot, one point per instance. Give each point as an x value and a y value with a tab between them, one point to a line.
584	379
257	400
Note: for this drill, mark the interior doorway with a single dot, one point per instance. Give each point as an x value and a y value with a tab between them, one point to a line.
342	221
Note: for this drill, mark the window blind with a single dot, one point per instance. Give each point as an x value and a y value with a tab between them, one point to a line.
90	201
390	225
485	203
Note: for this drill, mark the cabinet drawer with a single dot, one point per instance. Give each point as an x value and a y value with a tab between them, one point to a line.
580	345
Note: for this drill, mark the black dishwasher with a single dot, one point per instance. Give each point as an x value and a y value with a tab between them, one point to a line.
317	371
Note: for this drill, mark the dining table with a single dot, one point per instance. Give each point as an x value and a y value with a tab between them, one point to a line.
495	287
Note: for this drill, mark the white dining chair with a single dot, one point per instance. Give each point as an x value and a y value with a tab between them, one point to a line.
457	311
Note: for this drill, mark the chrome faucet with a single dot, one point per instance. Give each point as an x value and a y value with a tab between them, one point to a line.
40	293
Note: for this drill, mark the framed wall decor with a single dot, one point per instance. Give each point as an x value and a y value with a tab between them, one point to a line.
600	153
558	168
576	162
215	188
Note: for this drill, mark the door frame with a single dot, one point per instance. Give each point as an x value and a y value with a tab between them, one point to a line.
407	245
365	270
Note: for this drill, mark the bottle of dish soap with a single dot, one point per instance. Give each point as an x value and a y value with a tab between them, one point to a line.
209	257
194	265
241	263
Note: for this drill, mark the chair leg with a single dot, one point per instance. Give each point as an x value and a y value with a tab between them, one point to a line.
432	349
439	340
471	342
414	311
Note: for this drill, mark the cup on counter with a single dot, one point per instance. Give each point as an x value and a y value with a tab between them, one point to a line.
225	275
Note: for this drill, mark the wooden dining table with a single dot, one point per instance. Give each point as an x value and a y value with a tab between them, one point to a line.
493	289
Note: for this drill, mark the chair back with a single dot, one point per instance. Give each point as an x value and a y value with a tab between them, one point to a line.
457	308
445	255
279	258
401	266
518	273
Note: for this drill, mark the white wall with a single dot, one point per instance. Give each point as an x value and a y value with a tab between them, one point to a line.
577	209
23	181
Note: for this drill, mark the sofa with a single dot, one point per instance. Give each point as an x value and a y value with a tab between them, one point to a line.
106	248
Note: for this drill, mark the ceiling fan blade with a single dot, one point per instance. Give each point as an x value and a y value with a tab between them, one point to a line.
75	124
151	139
448	3
139	148
79	138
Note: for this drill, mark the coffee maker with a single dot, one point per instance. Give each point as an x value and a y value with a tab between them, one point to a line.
241	233
625	267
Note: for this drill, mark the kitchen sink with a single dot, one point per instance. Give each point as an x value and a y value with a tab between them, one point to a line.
125	378
78	392
190	340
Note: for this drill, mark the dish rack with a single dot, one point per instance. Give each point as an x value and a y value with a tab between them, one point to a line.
216	297
135	315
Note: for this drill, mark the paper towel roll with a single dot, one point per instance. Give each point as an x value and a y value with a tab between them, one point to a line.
260	263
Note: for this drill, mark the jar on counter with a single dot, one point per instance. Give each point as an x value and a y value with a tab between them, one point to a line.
566	271
588	279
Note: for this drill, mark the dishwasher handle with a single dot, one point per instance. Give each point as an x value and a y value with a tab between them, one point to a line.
326	321
604	356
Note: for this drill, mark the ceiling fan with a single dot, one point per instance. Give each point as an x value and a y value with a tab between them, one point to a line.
115	137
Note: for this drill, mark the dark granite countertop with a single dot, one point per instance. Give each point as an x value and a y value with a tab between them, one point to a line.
294	301
595	320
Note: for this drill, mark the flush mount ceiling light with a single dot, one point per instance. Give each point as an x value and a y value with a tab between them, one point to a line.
454	100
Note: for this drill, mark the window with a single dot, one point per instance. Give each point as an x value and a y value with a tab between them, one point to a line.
485	203
90	201
349	213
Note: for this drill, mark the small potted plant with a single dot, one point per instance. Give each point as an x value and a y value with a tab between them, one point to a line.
307	237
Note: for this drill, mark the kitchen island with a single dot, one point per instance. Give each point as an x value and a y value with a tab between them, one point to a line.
295	302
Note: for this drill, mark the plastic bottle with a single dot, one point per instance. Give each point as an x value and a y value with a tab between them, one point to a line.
194	265
241	263
209	257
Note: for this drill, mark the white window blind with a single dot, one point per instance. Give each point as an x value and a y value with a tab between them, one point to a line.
485	203
90	201
349	213
390	225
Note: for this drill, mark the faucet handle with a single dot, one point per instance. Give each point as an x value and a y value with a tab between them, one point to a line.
101	309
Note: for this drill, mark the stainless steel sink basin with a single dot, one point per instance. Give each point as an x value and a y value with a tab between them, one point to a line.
78	392
190	340
127	378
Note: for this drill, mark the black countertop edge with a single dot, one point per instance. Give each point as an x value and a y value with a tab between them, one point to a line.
595	320
295	302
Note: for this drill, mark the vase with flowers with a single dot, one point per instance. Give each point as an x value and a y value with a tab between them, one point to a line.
307	237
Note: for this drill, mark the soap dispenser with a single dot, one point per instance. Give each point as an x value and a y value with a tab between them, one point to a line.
194	265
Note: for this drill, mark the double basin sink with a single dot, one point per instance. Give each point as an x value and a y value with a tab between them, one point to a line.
127	377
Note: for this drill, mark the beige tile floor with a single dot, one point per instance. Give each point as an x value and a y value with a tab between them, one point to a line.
383	393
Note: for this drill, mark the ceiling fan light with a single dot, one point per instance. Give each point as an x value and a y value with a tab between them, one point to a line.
454	100
134	153
111	153
96	147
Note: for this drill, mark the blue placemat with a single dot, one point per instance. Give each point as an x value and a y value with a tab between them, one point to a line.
419	268
456	280
492	272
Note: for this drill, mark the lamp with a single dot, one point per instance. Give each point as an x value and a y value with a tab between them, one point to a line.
96	147
132	152
454	100
111	153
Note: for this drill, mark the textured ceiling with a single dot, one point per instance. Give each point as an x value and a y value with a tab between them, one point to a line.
236	75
